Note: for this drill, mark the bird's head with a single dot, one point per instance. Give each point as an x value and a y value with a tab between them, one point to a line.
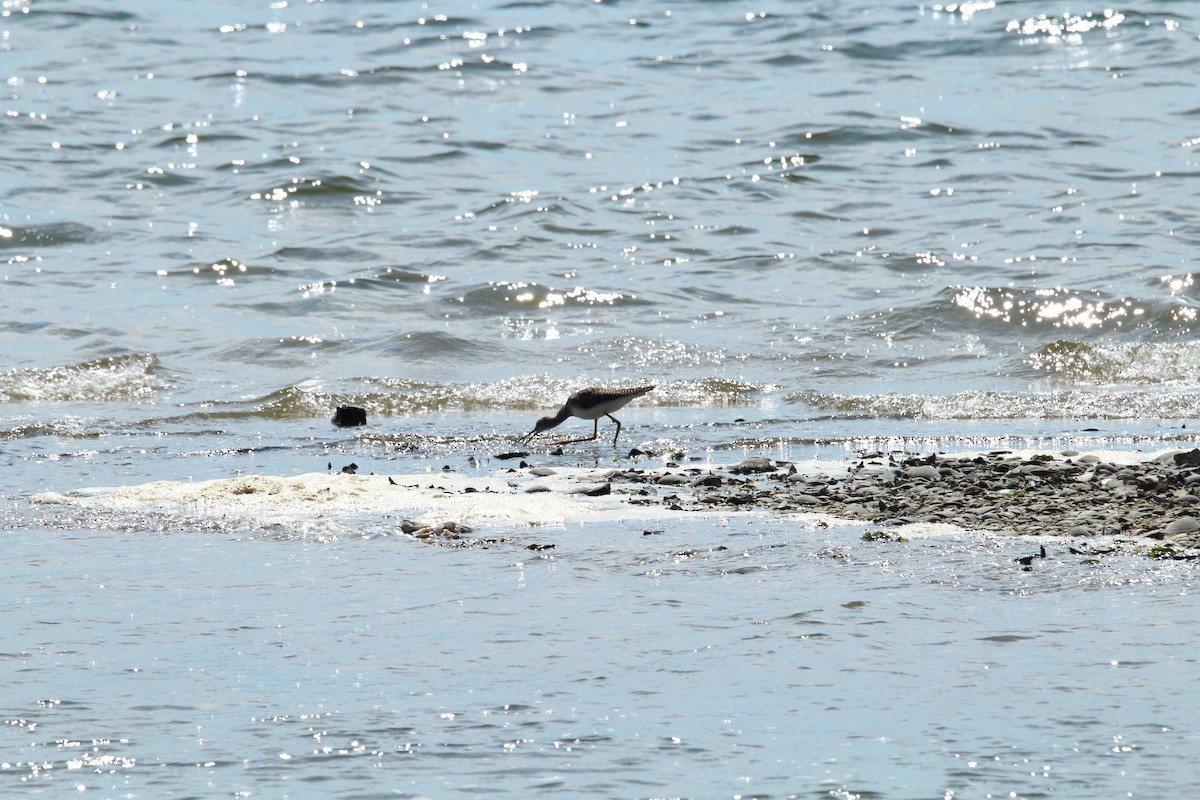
543	424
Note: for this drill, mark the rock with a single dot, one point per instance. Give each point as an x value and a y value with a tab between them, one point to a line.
708	480
672	479
1182	525
349	416
752	465
537	488
542	472
927	472
594	491
1189	459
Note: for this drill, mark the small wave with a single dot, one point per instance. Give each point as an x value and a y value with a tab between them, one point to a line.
225	271
126	377
324	191
509	296
1151	363
398	397
47	235
68	428
998	405
290	402
435	346
526	393
386	397
289	352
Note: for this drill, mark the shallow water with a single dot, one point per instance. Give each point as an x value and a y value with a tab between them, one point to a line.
742	657
819	229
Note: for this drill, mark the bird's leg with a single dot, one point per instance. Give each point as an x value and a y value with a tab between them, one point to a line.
618	433
592	438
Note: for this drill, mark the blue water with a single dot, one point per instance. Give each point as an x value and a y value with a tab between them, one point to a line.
792	664
819	229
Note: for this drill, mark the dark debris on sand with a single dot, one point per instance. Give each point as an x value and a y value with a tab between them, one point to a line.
1076	496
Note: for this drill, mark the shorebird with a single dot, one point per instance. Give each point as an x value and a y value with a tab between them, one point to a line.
591	403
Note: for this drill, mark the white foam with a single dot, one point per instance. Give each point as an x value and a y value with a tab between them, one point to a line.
427	499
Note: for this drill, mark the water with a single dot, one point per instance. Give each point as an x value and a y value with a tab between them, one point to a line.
769	663
818	228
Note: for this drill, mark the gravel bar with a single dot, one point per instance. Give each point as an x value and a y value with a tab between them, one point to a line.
1067	494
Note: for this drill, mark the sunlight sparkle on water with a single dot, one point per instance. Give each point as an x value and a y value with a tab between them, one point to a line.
1060	27
1059	307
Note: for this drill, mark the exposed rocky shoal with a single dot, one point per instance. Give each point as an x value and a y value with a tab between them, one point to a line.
1065	494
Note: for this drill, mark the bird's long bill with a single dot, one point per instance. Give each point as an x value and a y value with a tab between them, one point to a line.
528	436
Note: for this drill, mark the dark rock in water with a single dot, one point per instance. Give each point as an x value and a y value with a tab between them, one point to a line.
517	454
1188	459
596	491
349	416
350	469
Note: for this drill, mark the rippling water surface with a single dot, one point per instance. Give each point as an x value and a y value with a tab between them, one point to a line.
702	660
816	227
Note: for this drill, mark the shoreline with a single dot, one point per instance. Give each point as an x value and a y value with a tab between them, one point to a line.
1079	497
1145	506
